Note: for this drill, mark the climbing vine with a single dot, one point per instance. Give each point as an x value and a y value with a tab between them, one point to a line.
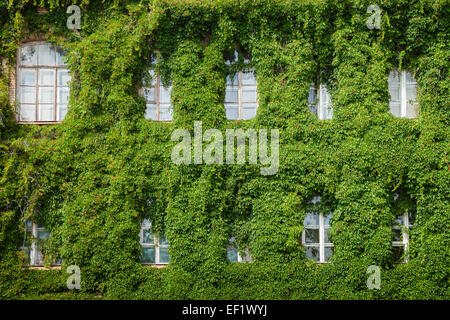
92	179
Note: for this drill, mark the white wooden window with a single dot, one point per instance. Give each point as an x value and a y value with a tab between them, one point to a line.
241	97
157	97
319	102
34	235
233	254
42	83
403	92
400	240
155	249
315	236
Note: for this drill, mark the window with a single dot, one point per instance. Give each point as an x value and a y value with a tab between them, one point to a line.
233	254
241	98
315	236
157	99
42	83
400	240
322	108
35	235
403	90
155	250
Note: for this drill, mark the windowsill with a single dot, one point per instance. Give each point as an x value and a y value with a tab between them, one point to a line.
39	122
155	265
55	267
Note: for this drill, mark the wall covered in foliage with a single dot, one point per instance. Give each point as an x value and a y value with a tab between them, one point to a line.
93	178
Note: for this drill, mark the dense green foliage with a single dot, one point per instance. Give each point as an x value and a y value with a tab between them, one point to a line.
93	178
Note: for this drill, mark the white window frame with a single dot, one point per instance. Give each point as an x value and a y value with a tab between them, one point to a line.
321	227
56	67
404	227
403	94
146	225
321	105
157	87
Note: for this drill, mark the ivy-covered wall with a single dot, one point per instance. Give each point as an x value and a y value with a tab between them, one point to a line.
93	178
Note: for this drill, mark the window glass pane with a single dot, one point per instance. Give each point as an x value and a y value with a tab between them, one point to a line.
63	95
46	77
327	218
62	112
60	54
248	111
43	234
149	94
394	78
165	112
46	112
231	111
313	253
147	236
232	255
233	81
249	94
312	97
399	220
328	253
248	77
326	237
395	109
27	94
150	112
398	253
311	219
231	95
163	241
28	77
409	78
397	235
46	55
394	92
63	78
46	95
27	112
148	255
311	235
412	109
164	96
164	255
28	55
